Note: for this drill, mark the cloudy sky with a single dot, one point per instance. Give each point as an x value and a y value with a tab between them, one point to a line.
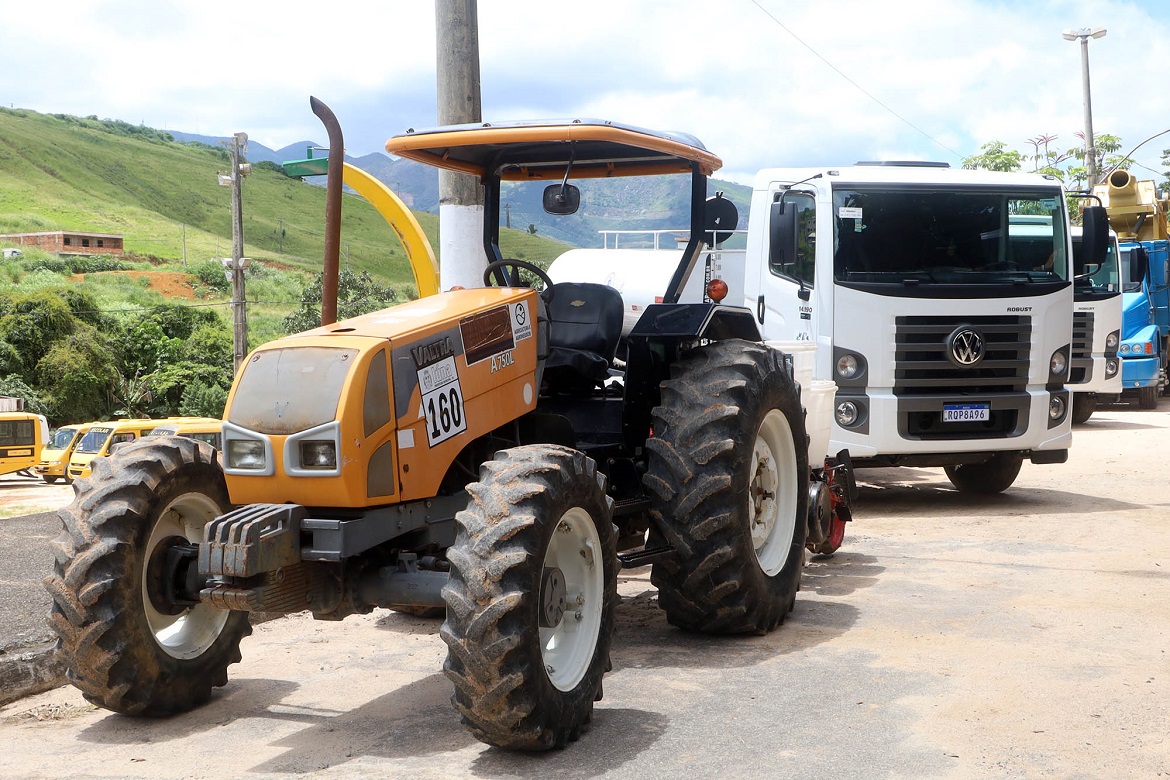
761	82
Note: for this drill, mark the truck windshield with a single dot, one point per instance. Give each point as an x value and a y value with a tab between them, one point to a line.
1091	280
960	236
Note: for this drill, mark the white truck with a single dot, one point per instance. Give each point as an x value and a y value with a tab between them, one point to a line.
939	301
1096	366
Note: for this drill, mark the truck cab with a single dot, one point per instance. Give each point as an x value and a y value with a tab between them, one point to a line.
940	301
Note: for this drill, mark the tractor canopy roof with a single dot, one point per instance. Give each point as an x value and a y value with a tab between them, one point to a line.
544	149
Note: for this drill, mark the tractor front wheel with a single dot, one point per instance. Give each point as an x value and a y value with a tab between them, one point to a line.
130	644
530	601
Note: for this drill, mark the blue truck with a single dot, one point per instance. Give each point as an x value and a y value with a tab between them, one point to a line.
1137	212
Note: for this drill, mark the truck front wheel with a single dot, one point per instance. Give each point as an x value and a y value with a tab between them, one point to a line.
994	475
728	479
129	646
1084	404
1147	397
531	598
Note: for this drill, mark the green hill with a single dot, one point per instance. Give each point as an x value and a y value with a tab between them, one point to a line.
59	172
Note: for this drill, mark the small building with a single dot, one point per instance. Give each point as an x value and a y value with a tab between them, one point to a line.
69	242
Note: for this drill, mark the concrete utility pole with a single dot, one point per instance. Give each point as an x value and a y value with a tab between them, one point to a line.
461	255
235	266
1084	34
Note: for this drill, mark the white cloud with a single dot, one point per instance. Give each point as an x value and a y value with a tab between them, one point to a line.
758	90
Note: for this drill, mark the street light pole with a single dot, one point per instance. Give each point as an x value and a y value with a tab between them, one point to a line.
1084	34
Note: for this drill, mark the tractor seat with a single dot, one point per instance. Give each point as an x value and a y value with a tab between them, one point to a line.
585	323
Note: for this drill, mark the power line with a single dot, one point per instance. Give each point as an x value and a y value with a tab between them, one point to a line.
860	88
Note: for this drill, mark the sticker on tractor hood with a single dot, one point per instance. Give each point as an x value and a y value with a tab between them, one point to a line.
521	321
442	400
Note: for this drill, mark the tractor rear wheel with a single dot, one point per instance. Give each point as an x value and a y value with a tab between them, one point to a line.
531	598
128	644
728	479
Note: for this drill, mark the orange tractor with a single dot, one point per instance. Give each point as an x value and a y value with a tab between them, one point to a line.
480	451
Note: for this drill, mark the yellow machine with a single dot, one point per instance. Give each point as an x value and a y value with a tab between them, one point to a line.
53	463
99	441
22	435
480	451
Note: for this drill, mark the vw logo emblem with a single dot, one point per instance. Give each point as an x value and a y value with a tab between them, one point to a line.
965	347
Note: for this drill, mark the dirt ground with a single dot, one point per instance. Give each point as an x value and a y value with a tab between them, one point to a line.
172	284
1020	635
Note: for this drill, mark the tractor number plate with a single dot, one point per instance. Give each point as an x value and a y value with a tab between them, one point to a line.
966	412
442	403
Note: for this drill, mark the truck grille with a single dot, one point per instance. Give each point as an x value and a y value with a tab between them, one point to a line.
1081	369
922	367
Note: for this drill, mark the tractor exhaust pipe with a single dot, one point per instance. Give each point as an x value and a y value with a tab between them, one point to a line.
332	211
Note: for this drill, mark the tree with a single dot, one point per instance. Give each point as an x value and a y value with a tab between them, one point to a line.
995	157
201	400
357	293
75	375
14	387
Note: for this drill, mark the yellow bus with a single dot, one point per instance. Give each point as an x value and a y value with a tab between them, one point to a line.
206	429
100	438
22	435
54	460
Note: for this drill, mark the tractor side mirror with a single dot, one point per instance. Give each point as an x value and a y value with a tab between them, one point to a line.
720	218
561	199
782	241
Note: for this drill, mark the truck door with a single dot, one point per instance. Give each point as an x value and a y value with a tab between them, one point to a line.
778	285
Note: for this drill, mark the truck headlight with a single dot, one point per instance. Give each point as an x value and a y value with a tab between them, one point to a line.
1111	340
847	366
1056	407
318	455
1057	364
245	454
846	413
1111	366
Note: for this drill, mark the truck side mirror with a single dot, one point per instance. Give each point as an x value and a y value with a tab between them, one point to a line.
1138	264
1094	236
561	199
782	234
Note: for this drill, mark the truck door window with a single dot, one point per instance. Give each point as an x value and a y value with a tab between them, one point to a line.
806	241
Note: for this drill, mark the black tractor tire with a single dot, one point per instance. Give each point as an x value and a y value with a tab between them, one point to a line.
989	477
50	480
1084	404
1147	397
531	598
121	650
728	479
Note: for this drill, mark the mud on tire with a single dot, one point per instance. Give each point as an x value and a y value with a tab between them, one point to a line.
728	478
121	650
530	601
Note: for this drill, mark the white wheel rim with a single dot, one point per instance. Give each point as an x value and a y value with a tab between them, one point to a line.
191	632
772	493
567	648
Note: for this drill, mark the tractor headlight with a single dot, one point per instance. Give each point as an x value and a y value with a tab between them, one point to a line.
246	454
318	455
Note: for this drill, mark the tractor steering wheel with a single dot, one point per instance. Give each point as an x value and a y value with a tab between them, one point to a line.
494	275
